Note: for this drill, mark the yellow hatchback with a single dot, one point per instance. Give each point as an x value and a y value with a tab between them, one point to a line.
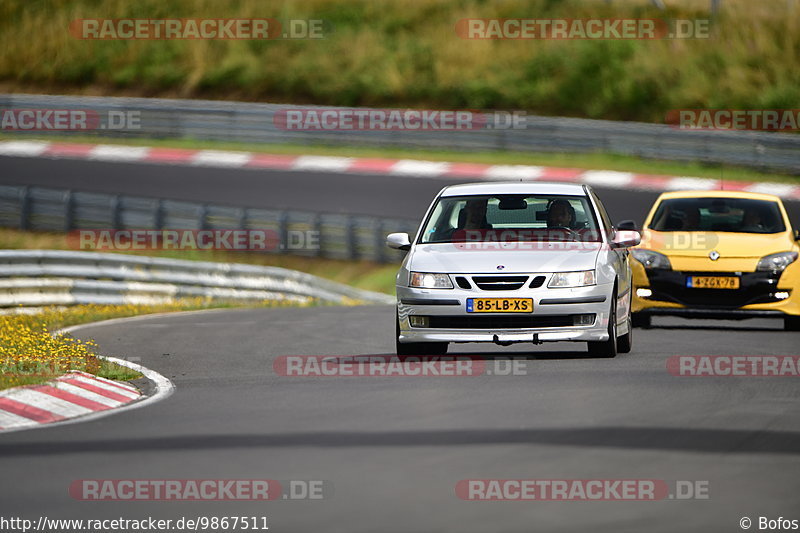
717	254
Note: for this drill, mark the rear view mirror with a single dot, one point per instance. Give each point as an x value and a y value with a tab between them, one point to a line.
398	241
512	202
719	207
627	225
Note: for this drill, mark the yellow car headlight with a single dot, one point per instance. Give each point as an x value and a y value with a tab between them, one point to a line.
776	262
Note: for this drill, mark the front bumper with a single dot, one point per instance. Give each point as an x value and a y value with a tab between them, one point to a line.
551	320
756	297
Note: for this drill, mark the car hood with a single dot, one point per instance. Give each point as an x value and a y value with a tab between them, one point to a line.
729	245
547	257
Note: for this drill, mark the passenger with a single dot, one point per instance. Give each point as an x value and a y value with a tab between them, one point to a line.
752	222
560	215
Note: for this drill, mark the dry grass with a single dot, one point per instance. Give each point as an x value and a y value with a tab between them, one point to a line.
406	53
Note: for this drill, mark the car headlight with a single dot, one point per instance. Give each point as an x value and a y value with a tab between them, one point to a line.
572	279
776	262
651	259
425	280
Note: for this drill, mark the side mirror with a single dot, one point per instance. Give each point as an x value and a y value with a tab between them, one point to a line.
626	239
398	241
627	225
797	235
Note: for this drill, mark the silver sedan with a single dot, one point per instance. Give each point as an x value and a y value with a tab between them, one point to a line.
515	263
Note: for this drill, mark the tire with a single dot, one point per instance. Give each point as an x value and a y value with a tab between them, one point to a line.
417	348
791	323
607	349
625	342
641	320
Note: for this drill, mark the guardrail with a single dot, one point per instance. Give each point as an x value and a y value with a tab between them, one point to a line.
51	277
338	236
250	122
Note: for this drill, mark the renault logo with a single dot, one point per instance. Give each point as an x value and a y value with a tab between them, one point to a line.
713	255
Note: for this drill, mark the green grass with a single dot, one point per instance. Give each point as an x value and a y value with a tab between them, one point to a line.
590	161
117	372
107	370
405	53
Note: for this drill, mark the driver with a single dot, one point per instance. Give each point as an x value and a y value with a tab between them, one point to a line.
560	215
752	222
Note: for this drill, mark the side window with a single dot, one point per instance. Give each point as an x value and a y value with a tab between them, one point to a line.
605	220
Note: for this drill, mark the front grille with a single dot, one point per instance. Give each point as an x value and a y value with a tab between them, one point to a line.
499	283
506	321
754	287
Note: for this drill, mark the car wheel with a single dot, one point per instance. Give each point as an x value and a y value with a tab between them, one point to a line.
791	323
625	342
417	348
607	348
641	320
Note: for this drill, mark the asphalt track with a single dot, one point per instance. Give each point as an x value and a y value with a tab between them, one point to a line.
367	194
392	449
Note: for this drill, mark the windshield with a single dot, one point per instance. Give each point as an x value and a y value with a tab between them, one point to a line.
519	218
738	215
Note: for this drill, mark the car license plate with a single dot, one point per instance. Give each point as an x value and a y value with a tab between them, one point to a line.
499	305
712	282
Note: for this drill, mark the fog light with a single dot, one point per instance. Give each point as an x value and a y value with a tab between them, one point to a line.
644	293
781	295
583	320
419	321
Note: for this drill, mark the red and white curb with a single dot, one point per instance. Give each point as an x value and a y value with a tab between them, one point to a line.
411	168
78	396
72	395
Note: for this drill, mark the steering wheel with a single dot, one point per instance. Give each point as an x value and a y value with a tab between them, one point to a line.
574	234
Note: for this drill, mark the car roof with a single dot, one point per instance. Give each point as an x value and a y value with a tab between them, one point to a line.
514	187
719	194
